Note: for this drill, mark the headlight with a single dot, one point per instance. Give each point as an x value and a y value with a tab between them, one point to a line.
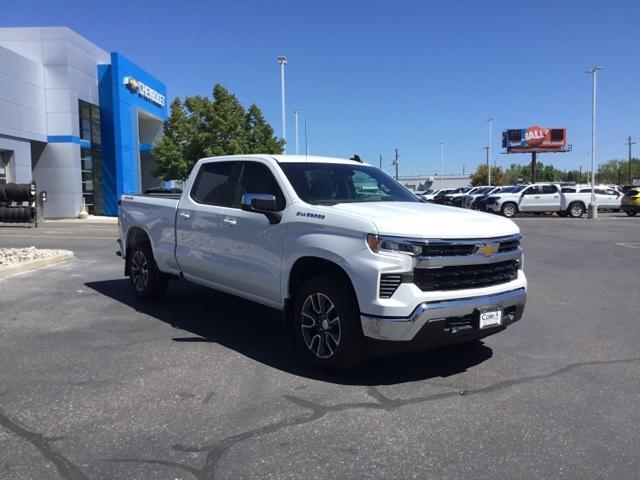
379	244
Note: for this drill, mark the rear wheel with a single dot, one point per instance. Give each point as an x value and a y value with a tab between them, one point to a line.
327	325
576	210
148	282
631	214
509	209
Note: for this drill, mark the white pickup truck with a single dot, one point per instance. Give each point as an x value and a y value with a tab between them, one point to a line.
349	255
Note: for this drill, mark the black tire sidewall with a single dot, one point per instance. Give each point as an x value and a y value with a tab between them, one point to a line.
157	283
351	351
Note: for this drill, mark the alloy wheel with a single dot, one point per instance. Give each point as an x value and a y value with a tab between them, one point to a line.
320	325
139	270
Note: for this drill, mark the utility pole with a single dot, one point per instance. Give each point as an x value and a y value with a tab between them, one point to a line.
380	161
395	162
295	114
306	143
441	158
629	143
490	120
580	180
593	209
282	60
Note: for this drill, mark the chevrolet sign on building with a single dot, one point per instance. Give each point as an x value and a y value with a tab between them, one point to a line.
144	90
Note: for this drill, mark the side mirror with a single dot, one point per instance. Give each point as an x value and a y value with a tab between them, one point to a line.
261	203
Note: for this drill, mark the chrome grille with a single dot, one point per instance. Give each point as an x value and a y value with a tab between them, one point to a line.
460	277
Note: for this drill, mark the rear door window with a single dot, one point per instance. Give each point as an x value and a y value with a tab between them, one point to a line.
549	189
214	184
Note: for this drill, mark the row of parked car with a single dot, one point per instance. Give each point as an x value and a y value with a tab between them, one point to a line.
539	198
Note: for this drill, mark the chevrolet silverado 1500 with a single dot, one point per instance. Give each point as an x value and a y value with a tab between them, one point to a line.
349	255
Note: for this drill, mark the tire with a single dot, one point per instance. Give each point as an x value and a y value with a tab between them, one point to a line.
326	323
509	209
147	281
631	214
575	210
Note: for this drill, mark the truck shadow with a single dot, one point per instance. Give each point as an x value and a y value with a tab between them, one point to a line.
204	315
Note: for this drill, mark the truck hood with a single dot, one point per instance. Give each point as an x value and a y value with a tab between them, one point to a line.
427	220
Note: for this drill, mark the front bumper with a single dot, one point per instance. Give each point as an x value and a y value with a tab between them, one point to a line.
630	208
442	319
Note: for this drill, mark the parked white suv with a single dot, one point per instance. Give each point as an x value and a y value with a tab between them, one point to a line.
346	252
537	197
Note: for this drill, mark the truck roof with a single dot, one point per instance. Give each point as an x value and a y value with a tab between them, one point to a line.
290	158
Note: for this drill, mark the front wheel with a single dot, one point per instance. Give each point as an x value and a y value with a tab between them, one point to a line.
631	214
147	281
327	325
509	210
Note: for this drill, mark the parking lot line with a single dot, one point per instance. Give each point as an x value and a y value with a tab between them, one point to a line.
56	236
630	245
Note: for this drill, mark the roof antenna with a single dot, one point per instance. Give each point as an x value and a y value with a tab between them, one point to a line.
356	158
306	144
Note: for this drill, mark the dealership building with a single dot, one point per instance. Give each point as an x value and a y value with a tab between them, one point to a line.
76	119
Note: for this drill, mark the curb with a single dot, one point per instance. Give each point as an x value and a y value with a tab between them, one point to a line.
34	265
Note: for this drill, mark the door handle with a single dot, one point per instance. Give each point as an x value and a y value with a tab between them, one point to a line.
185	214
229	221
537	196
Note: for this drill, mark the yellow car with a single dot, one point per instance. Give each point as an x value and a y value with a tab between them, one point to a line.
631	202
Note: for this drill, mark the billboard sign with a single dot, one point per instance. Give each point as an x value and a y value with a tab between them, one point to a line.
534	139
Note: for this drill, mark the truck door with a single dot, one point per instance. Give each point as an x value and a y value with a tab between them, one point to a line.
530	199
252	247
199	218
550	198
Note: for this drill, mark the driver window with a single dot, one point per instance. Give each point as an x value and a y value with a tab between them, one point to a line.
257	178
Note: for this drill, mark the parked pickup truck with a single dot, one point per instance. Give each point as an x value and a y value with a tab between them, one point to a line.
535	198
349	255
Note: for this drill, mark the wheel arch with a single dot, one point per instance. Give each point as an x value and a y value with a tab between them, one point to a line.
135	236
311	266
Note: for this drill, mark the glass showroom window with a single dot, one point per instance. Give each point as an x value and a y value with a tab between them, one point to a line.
5	158
91	158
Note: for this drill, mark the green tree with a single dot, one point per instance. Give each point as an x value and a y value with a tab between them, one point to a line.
260	136
481	176
202	127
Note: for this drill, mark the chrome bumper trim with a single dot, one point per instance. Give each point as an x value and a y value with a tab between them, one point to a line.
405	329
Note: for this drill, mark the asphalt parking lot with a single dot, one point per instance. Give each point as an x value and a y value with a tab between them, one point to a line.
96	385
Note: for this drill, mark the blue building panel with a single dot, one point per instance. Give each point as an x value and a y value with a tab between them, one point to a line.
124	90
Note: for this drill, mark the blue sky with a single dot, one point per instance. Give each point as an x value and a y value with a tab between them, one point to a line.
371	76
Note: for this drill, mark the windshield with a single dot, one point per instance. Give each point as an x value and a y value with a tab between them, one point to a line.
515	189
332	183
480	191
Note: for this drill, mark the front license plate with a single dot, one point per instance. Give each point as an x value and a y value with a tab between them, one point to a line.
491	318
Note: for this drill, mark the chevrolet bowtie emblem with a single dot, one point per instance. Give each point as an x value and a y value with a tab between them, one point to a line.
488	249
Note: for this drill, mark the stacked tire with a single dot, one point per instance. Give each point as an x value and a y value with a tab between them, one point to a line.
13	197
15	214
15	192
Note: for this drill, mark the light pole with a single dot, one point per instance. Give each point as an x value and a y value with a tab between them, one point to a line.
295	114
593	208
490	120
629	143
282	60
441	158
486	149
